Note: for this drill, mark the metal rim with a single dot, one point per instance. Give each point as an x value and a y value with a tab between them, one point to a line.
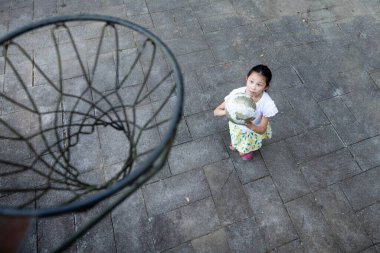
142	167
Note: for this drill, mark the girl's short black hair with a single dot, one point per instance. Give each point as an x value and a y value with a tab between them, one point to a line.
263	70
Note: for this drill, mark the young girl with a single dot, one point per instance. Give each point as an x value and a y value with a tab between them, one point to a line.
248	138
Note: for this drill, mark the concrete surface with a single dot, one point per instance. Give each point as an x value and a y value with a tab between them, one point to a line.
313	188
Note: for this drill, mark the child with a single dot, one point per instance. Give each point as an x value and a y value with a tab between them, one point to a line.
248	138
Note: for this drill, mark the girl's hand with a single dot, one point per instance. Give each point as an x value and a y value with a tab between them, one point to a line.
220	110
260	128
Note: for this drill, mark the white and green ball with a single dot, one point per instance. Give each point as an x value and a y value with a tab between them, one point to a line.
240	108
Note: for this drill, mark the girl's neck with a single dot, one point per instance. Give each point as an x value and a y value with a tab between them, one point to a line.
256	98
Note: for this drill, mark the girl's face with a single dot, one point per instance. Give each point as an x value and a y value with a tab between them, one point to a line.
256	84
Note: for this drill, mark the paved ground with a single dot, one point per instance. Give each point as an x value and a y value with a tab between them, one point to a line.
313	188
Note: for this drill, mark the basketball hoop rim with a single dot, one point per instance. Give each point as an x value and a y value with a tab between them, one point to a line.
142	167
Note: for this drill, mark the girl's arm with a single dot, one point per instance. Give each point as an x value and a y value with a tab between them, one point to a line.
261	128
220	110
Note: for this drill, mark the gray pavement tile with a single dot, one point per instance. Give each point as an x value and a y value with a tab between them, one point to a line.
284	170
2	68
135	7
14	150
227	191
370	220
329	169
19	122
52	232
341	51
77	100
353	80
86	153
135	75
5	5
342	220
245	236
187	45
118	9
375	76
82	31
364	106
181	21
183	134
180	225
49	55
20	17
131	225
270	212
125	39
213	8
190	28
294	246
197	153
196	60
22	70
195	99
235	43
44	9
220	22
48	132
162	5
3	29
143	20
118	98
167	32
329	31
362	190
364	24
22	180
315	82
21	3
49	74
183	248
285	125
367	152
306	107
205	123
311	225
148	137
281	101
347	126
158	86
173	192
370	250
284	78
309	145
214	242
101	235
114	145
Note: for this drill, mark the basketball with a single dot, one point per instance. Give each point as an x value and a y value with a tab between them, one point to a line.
239	108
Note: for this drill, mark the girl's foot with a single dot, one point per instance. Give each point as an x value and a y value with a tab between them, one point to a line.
248	156
232	147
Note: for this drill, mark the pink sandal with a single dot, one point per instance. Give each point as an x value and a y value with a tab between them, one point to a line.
248	156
